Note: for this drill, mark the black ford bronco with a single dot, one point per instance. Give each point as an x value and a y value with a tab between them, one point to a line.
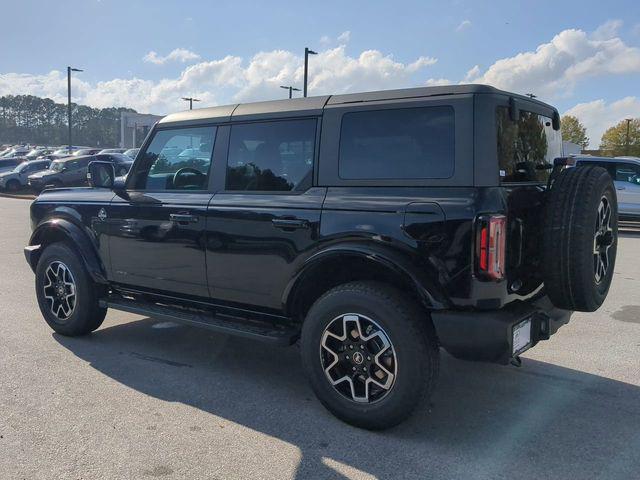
373	228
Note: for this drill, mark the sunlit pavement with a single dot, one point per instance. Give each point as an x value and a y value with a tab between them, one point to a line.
142	398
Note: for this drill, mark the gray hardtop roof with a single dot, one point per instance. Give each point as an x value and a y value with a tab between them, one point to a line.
315	105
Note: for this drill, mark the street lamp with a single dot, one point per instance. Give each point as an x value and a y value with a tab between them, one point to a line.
190	100
628	120
307	52
69	70
291	89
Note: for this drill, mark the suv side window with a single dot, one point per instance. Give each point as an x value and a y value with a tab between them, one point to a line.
271	156
398	143
176	159
627	172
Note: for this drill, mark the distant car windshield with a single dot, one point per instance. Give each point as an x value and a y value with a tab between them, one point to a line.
62	151
83	151
57	166
132	152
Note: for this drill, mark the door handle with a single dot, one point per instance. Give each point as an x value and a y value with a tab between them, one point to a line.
183	218
290	223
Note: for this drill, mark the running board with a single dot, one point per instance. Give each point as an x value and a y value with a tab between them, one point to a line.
264	331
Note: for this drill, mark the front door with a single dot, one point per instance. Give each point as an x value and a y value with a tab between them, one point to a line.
157	228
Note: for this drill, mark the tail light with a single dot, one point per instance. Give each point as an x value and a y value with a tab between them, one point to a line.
491	246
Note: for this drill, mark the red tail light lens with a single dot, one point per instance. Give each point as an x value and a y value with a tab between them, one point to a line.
491	246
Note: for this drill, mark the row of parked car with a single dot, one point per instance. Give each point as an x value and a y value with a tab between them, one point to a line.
40	167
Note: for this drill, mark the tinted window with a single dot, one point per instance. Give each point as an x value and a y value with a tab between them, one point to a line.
398	144
176	159
608	166
526	148
271	156
627	172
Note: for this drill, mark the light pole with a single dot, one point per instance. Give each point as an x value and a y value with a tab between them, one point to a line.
190	100
628	120
69	70
307	52
291	89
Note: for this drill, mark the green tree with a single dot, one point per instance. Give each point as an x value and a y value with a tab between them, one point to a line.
35	120
615	141
573	131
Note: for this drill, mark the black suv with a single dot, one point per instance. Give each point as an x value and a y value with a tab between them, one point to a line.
374	228
72	171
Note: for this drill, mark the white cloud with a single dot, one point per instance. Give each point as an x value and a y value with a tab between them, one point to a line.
607	30
463	25
344	37
341	39
436	82
176	55
229	79
555	67
598	116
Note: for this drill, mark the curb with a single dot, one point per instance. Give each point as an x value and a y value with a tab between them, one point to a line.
19	196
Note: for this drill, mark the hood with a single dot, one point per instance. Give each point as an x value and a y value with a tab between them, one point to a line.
43	173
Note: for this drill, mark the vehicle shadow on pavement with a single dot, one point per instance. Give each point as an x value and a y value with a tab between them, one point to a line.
485	421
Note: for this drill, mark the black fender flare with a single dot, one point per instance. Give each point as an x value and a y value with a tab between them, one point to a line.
389	259
60	228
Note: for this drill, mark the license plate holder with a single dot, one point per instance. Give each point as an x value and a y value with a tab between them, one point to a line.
521	336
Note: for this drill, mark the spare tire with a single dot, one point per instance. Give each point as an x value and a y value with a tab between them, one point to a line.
580	238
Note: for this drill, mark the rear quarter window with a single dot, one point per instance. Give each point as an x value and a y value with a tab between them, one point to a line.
526	148
407	143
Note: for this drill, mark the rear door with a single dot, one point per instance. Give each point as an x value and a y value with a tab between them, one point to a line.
265	220
157	227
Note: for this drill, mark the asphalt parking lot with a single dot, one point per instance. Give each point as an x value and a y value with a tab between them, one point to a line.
142	399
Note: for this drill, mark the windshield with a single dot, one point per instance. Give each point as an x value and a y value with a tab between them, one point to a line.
57	166
21	167
9	153
526	148
62	151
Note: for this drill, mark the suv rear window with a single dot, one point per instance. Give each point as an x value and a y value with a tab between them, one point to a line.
526	148
398	143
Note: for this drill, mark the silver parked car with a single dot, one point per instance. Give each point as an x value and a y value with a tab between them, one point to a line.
625	172
15	179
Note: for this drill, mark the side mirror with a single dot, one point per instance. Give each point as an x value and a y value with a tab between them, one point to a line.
101	175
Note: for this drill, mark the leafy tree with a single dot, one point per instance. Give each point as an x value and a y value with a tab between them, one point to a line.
573	131
614	140
41	121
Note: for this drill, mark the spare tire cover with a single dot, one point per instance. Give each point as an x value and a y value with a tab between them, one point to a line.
580	238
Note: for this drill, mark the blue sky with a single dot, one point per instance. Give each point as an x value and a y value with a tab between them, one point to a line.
584	57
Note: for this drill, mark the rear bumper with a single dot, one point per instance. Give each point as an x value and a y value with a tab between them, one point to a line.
488	335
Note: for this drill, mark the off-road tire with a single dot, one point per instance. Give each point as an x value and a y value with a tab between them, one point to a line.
570	216
87	315
411	333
